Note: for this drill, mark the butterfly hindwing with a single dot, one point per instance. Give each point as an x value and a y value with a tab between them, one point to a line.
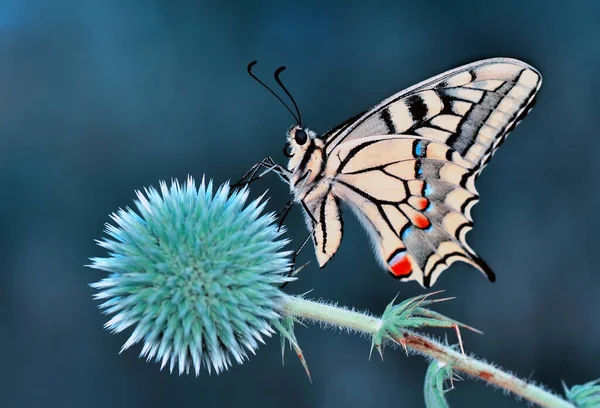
415	203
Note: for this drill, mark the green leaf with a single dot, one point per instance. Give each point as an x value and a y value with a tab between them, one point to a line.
286	329
410	314
584	396
437	374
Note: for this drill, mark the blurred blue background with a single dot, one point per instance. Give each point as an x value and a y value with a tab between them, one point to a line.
99	98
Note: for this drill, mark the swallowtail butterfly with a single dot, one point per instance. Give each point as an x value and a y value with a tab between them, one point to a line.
407	166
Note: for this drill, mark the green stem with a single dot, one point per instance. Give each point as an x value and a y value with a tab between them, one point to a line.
364	323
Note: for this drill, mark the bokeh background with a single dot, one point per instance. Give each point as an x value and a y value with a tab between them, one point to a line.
99	98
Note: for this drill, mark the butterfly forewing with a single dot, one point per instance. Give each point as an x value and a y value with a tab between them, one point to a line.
470	108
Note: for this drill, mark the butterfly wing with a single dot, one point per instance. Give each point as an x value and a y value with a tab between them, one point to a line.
471	108
407	167
326	225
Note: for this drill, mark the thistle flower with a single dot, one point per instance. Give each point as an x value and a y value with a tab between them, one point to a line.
196	274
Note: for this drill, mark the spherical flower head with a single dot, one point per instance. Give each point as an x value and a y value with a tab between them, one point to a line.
197	274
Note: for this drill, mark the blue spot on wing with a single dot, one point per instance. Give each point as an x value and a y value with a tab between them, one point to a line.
428	190
419	150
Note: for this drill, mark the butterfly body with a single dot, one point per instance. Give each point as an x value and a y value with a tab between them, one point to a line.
407	167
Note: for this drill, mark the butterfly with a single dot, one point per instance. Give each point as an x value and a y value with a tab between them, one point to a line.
407	166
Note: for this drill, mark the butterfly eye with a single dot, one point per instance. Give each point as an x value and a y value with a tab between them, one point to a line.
287	150
300	136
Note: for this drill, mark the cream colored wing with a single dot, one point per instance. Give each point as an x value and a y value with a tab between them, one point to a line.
471	109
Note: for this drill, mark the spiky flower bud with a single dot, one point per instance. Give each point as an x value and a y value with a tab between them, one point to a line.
196	274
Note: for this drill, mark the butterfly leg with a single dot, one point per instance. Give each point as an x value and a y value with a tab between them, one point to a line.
250	175
282	172
288	206
282	215
269	164
241	182
293	270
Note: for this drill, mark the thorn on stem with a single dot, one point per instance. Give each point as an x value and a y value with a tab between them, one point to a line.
403	342
460	342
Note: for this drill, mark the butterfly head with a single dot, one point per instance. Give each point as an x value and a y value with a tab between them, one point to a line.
299	140
305	150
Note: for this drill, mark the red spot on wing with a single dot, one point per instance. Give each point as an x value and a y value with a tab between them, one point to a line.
402	268
421	221
422	204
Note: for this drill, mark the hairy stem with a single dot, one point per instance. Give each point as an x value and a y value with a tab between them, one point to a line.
339	317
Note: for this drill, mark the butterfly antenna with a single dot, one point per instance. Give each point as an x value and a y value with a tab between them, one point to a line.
277	73
253	63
